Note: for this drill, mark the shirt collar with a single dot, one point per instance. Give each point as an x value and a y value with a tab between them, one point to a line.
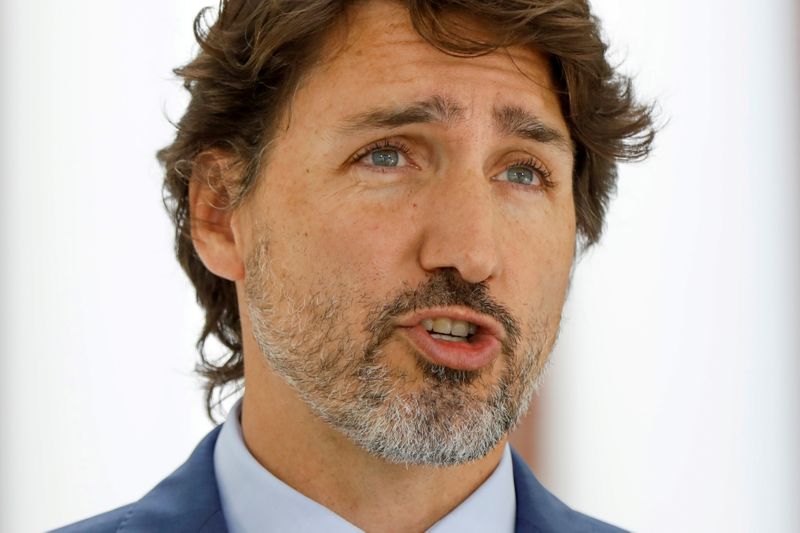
255	500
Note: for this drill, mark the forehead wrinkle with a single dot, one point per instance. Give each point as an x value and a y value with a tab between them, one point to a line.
514	121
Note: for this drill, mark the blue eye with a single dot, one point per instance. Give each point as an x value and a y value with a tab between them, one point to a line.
385	157
529	173
520	174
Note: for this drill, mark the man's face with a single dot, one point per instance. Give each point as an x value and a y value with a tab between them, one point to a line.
411	191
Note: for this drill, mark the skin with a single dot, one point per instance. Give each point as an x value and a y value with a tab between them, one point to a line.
337	222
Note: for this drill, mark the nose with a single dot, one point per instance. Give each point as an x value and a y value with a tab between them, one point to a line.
460	230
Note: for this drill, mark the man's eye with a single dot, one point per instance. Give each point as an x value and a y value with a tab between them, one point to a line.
530	173
382	155
521	175
385	157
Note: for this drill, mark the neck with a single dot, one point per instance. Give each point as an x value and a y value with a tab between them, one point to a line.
307	454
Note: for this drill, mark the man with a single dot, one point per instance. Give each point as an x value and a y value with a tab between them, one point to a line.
379	204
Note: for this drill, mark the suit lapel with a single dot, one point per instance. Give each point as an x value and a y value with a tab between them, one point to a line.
186	501
525	488
538	511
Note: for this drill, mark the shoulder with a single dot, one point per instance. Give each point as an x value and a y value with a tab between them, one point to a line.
187	500
539	511
108	522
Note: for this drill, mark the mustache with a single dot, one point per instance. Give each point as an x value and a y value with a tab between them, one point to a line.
444	288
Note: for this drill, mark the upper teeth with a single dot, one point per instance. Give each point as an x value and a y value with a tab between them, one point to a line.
446	326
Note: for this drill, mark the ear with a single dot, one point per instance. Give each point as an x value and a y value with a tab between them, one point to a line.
212	217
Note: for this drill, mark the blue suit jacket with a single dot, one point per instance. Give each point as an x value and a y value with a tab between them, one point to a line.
188	501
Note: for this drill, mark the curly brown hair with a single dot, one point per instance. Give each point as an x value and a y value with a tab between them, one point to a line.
253	56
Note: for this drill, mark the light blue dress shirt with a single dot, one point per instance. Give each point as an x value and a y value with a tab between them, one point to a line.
255	501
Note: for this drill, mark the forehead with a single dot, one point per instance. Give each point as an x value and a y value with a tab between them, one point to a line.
375	55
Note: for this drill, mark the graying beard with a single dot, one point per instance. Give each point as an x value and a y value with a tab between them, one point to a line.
444	424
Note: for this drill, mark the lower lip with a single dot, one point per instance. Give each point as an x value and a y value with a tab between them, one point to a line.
478	353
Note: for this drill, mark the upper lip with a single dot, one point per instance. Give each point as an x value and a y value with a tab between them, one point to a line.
484	322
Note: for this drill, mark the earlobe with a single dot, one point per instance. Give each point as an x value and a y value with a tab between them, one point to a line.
212	218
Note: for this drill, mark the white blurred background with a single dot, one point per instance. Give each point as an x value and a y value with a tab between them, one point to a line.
673	402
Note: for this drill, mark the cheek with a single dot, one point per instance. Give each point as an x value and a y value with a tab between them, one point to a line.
369	244
540	260
361	245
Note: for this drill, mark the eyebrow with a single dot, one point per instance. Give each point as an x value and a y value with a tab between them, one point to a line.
515	121
512	121
436	109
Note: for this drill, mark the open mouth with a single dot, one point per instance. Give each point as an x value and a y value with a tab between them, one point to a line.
454	337
450	330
